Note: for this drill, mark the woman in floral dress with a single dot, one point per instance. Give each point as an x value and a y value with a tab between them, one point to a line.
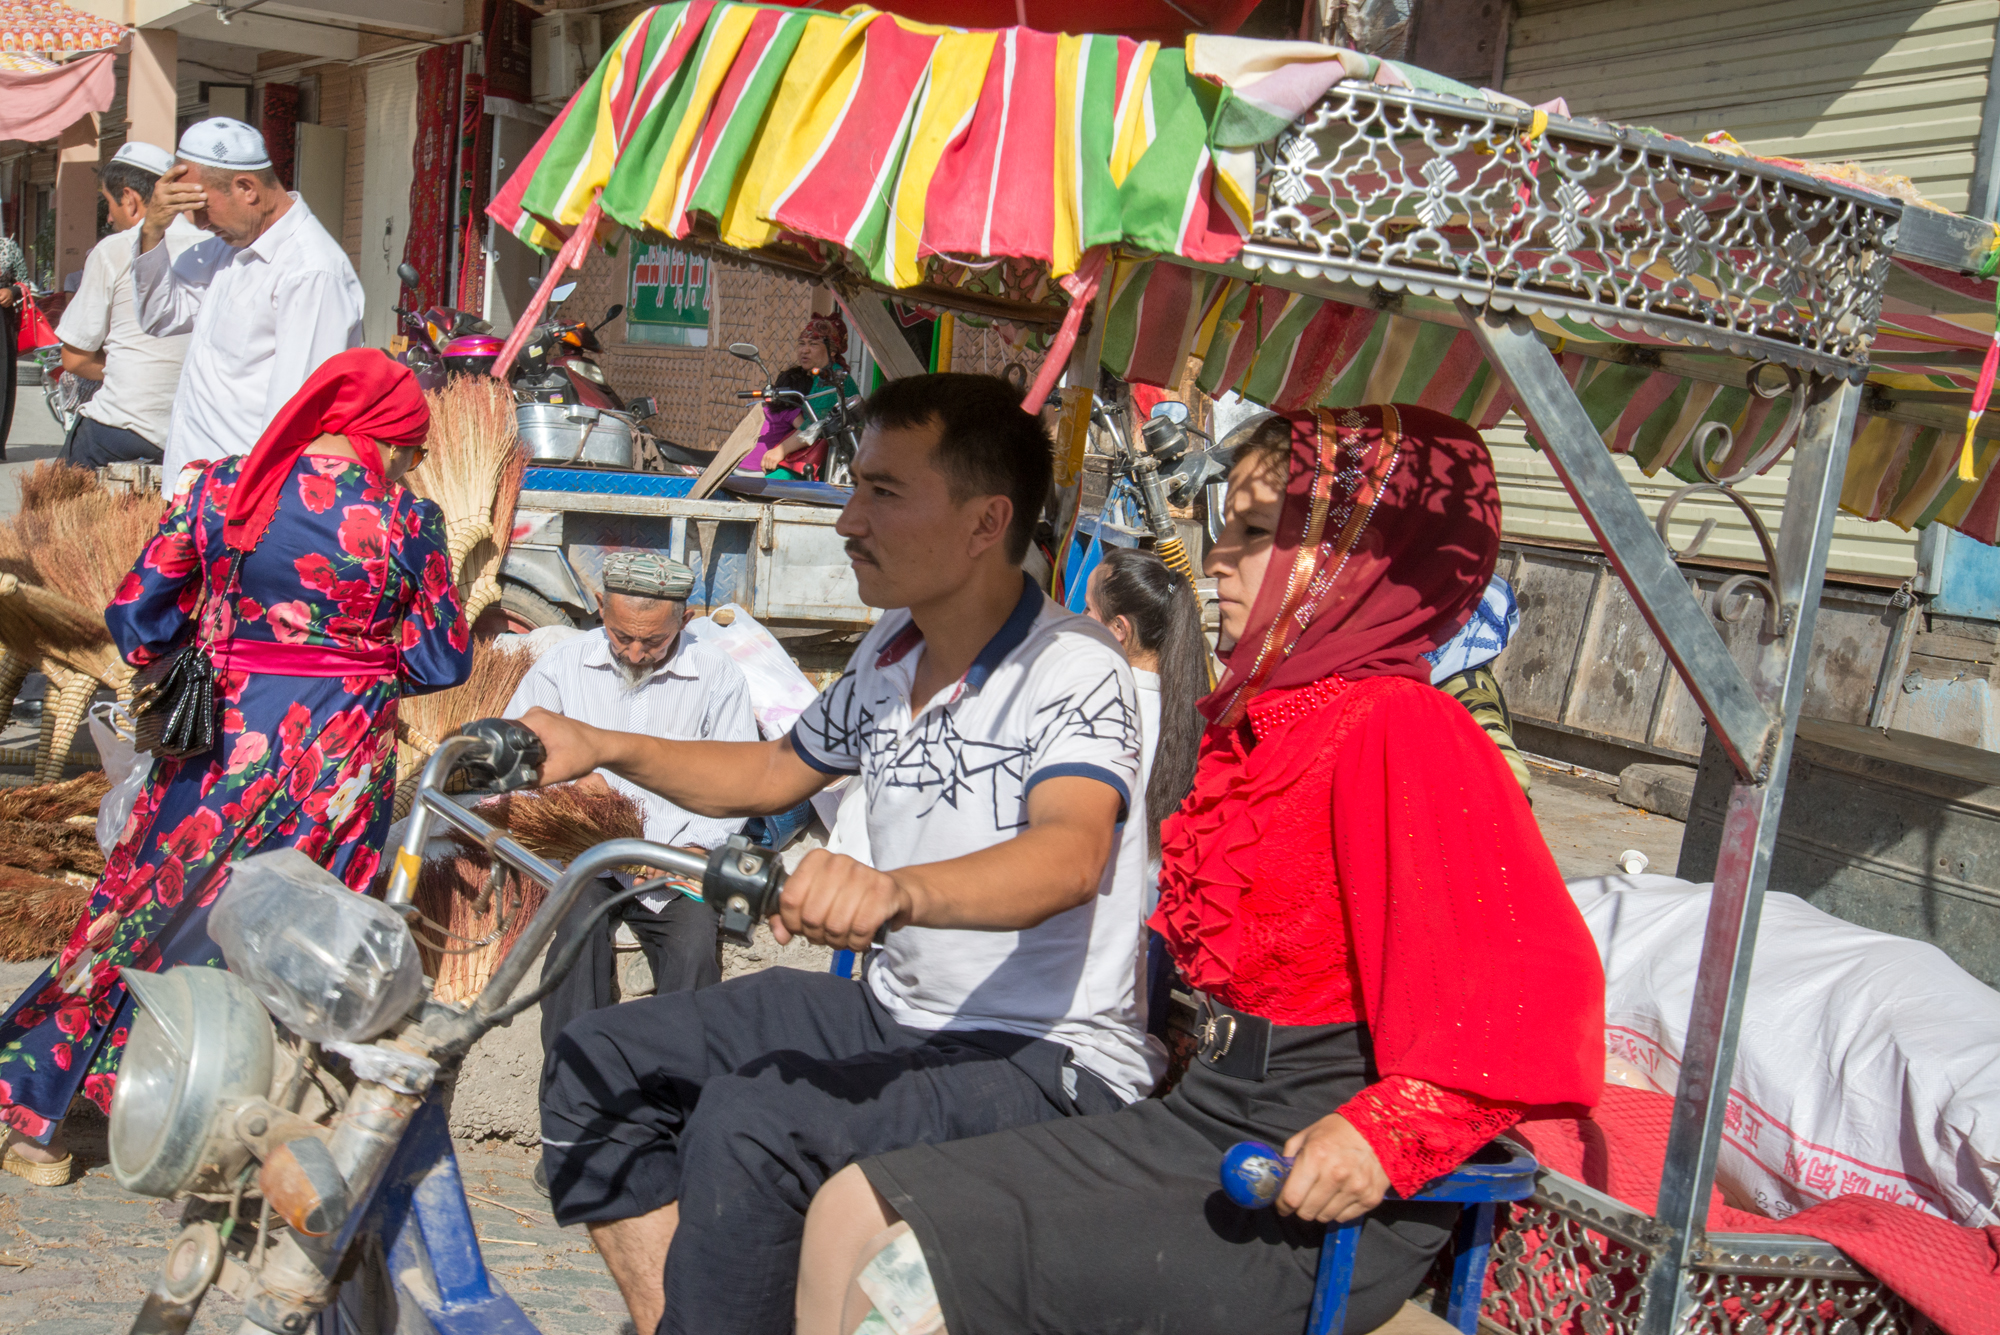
336	599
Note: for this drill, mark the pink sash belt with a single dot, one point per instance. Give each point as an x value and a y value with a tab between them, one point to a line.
304	660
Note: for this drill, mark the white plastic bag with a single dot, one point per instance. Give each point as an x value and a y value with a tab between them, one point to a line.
779	692
129	770
335	966
1868	1064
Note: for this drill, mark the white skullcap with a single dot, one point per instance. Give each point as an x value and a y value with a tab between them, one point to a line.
225	143
146	157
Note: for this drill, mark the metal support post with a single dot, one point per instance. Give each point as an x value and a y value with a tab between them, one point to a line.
1742	723
1749	831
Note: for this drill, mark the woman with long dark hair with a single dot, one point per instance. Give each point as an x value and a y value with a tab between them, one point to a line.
1390	966
1154	615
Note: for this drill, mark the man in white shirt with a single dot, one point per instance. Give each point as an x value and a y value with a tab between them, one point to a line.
137	374
267	299
637	673
996	742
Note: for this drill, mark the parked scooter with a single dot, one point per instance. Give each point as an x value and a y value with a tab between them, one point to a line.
334	1192
432	335
840	428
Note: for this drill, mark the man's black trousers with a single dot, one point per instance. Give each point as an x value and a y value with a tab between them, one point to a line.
740	1100
679	942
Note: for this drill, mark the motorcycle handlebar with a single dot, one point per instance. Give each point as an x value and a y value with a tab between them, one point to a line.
742	882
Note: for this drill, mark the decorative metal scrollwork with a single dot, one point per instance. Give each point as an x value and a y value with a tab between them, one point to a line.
1712	440
1419	193
1552	1273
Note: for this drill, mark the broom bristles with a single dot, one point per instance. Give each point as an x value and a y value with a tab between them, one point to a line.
55	801
555	823
472	443
37	914
50	481
562	821
33	618
83	546
496	674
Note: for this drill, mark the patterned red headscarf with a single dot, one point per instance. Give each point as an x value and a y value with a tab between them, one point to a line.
830	330
1390	529
360	394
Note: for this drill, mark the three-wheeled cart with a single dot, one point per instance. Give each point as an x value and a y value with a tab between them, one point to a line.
1337	236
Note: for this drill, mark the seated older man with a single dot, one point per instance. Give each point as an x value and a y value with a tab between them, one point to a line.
637	673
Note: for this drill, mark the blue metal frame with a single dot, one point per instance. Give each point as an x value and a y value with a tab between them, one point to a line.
1253	1172
420	1211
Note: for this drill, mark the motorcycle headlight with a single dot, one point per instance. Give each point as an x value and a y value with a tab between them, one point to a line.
199	1045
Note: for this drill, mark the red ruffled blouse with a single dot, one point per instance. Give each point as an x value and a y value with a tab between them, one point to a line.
1360	852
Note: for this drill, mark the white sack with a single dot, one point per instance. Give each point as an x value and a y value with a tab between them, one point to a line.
1869	1064
779	692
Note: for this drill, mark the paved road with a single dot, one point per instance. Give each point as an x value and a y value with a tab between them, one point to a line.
34	437
93	1249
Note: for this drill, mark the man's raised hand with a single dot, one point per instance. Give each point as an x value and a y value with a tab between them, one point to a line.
839	902
176	192
573	748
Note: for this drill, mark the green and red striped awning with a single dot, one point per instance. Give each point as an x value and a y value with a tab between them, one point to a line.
952	165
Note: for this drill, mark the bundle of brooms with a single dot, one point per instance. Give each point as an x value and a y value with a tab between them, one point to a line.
48	845
472	917
62	558
473	471
422	721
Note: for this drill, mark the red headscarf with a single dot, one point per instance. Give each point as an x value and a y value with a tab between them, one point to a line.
360	394
1390	530
1450	933
830	330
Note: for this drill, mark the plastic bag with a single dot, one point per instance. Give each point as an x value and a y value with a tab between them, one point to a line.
1867	1064
334	965
779	692
128	770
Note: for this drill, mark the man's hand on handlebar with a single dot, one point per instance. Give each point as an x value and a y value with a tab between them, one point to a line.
839	902
573	748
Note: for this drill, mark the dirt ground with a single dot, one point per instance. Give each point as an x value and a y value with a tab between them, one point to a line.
76	1260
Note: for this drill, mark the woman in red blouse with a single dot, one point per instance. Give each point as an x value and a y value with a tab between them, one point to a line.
1389	969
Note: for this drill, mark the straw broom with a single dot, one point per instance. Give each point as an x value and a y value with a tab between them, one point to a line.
473	471
422	721
79	545
41	486
37	913
479	927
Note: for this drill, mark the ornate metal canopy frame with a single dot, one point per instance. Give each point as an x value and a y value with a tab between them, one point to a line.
1726	269
1507	214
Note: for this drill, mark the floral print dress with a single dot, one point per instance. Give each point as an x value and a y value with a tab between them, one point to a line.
307	762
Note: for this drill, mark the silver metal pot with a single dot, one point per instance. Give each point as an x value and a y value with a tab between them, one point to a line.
571	433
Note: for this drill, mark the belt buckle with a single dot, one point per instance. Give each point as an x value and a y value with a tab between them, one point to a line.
1216	1027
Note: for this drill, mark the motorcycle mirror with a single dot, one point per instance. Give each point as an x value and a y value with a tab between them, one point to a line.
1171	409
617	309
747	351
408	273
561	294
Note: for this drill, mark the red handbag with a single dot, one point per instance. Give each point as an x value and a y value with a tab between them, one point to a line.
36	331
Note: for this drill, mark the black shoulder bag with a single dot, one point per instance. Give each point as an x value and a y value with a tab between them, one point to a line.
173	697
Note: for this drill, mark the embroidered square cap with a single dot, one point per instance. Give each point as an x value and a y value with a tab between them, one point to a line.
146	157
225	143
647	574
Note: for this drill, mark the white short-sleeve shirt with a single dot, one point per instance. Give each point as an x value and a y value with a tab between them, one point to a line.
1050	696
141	372
697	694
